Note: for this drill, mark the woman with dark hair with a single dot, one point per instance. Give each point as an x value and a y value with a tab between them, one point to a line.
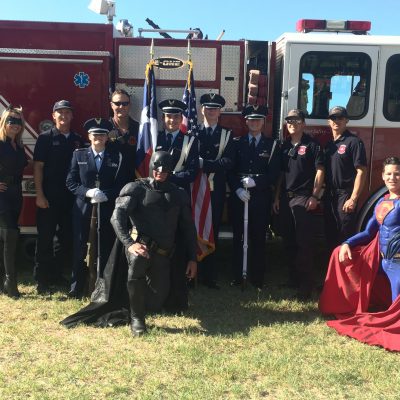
364	273
12	164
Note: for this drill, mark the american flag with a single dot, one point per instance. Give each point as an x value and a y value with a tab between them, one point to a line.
148	129
200	188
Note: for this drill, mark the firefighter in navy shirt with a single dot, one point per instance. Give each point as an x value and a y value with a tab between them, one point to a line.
255	170
296	197
124	135
216	158
52	158
346	166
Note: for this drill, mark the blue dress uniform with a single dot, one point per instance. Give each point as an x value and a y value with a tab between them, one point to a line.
262	164
216	149
190	167
84	175
55	150
184	149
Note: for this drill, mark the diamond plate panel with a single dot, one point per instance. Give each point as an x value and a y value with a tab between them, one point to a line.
230	68
133	60
136	93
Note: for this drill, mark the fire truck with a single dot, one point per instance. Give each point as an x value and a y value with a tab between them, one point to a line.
312	69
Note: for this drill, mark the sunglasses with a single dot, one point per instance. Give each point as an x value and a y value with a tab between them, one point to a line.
121	103
294	121
336	118
14	121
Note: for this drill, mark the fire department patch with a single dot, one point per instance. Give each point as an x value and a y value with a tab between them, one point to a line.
132	140
383	209
342	149
302	150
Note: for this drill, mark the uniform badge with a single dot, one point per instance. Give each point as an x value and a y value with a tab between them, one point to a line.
342	149
264	154
302	150
132	140
383	209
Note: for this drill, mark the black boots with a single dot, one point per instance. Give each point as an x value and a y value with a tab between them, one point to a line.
137	290
9	240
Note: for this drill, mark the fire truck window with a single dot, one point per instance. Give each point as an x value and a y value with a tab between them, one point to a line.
329	79
391	102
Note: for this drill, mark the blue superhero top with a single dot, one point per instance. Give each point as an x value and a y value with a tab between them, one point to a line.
386	220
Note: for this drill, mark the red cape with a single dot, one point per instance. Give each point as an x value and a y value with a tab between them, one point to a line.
351	289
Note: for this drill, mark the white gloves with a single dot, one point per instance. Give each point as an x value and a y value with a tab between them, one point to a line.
96	195
248	182
243	194
92	192
201	162
100	197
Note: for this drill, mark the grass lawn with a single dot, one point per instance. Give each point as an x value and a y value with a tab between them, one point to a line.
230	345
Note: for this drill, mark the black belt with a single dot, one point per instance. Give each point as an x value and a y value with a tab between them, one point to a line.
250	175
298	193
152	246
395	256
9	180
340	191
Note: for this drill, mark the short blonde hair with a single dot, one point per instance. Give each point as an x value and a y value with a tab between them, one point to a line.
6	113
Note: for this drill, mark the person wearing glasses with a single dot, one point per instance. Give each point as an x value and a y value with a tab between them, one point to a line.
12	163
125	132
297	195
346	170
51	161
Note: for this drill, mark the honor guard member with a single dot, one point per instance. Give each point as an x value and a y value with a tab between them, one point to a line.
346	166
158	209
184	150
296	197
51	162
182	147
216	158
125	129
255	172
96	176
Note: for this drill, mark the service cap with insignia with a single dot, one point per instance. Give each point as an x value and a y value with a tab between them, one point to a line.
98	126
255	112
172	106
212	100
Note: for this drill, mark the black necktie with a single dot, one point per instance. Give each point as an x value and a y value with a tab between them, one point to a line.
209	131
169	140
252	145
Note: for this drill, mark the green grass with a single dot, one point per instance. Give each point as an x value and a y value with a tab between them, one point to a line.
230	345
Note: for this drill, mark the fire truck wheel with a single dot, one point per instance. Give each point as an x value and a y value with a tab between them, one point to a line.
27	245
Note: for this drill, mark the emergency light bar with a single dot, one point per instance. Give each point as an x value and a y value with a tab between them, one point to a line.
322	25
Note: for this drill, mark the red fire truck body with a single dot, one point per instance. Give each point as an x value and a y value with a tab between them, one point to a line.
44	62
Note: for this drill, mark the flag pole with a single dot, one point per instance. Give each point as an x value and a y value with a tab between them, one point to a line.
152	49
189	51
